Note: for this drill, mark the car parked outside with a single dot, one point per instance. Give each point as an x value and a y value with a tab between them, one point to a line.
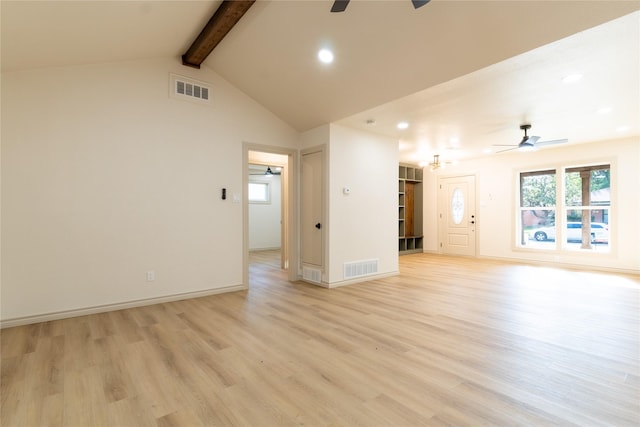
599	232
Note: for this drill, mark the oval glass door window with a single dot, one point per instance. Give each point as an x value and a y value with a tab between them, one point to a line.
457	206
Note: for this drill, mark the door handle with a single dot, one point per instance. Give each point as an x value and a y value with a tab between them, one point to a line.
318	226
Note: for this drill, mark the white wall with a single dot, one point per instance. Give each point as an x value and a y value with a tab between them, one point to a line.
105	177
265	231
363	224
497	196
315	137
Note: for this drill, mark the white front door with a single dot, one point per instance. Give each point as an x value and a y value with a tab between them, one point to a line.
457	215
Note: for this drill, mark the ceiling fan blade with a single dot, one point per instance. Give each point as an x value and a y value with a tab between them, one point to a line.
339	5
419	3
532	139
508	149
551	142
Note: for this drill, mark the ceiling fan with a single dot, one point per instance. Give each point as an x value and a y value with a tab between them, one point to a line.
529	142
341	5
437	163
266	172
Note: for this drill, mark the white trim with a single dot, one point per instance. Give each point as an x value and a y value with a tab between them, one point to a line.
361	279
558	264
289	180
19	321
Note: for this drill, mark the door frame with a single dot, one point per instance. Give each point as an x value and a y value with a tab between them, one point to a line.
441	205
291	207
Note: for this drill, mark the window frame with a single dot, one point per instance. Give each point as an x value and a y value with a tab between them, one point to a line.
562	209
267	185
521	233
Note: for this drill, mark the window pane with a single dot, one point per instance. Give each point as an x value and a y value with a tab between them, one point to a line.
588	186
537	209
538	190
259	192
539	227
587	199
457	206
573	189
594	220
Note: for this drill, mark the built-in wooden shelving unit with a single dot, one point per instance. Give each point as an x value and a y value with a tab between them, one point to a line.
410	238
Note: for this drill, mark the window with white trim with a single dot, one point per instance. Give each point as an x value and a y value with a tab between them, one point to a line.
259	192
582	220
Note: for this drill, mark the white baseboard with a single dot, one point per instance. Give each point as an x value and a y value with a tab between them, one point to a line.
548	263
27	320
360	279
563	264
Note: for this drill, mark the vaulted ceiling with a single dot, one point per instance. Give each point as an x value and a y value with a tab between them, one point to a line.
463	74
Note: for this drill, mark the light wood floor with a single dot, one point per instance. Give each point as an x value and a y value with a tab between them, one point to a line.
449	341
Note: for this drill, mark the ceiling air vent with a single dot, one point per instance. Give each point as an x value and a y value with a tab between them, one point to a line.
189	89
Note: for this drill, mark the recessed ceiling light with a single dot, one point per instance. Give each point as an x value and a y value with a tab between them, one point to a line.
403	125
605	110
571	78
325	56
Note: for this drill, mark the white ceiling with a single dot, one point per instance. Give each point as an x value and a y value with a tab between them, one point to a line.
464	74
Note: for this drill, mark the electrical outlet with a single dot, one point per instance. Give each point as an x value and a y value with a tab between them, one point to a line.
151	276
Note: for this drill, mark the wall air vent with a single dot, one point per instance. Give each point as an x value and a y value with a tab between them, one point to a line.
189	90
312	274
360	268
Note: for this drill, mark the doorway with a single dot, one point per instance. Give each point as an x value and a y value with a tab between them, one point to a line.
265	191
457	215
269	186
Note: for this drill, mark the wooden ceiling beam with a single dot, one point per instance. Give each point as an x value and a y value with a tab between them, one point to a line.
222	21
